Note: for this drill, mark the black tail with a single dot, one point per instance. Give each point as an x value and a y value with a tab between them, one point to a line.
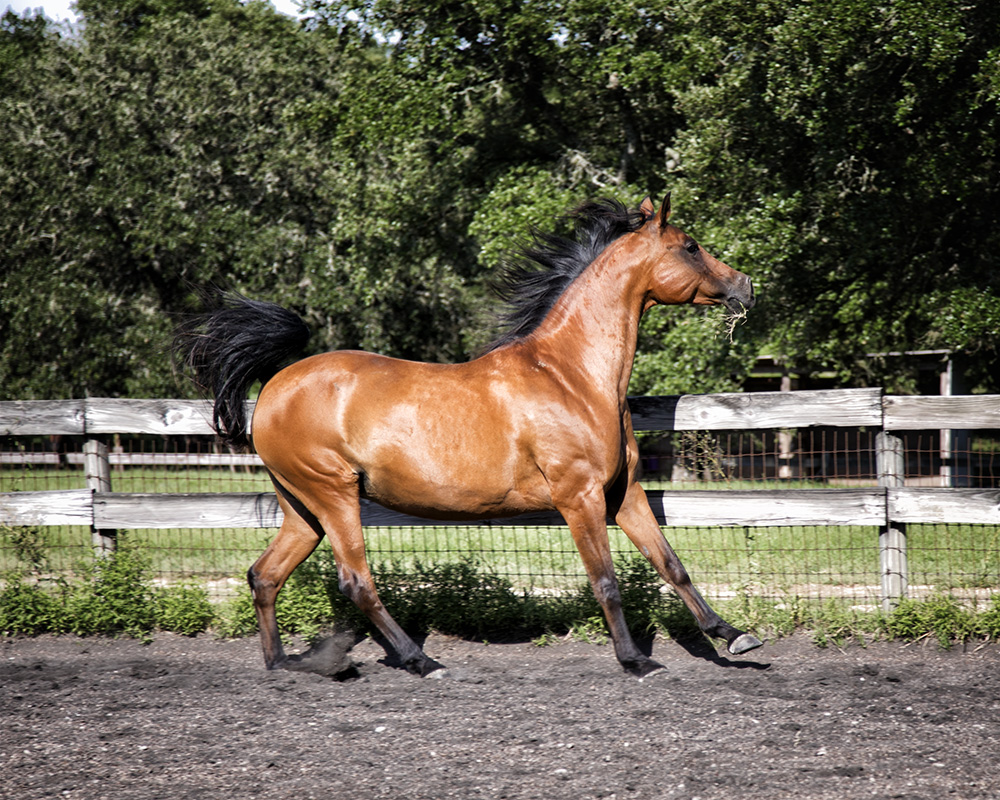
229	348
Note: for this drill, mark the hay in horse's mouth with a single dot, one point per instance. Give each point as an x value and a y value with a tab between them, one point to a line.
734	317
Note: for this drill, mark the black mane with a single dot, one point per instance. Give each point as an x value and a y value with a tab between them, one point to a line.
531	285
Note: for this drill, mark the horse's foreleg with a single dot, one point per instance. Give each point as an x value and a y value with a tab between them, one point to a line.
295	541
590	533
636	518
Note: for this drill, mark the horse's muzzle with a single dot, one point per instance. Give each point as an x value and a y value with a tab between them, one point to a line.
741	298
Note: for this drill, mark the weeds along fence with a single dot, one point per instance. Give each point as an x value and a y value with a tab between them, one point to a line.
790	496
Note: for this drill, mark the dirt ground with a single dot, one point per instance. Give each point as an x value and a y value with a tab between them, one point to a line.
200	718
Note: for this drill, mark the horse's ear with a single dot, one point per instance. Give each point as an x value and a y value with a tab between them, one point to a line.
646	208
665	211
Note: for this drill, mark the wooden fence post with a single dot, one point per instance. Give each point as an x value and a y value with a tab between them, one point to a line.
98	470
892	536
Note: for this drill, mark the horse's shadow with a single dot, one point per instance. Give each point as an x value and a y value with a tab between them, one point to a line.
700	646
330	656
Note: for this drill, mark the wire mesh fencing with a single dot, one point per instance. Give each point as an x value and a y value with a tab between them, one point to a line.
783	563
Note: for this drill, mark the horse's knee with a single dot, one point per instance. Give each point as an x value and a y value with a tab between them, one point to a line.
252	581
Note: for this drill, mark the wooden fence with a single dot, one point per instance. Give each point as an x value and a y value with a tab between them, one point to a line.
887	506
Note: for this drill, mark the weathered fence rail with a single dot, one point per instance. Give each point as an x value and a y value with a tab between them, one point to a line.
888	506
761	410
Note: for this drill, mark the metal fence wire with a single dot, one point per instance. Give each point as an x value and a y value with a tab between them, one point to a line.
815	562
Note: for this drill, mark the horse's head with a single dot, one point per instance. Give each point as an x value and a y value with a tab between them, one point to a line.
683	271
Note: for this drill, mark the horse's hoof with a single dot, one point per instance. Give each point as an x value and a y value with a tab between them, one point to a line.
744	643
424	667
643	668
655	671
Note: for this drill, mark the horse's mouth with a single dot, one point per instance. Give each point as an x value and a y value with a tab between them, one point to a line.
739	306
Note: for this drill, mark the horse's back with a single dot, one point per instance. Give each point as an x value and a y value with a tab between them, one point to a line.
438	440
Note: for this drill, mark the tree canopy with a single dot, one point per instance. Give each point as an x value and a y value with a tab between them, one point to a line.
371	166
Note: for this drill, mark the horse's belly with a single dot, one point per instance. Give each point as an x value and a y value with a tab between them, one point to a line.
450	495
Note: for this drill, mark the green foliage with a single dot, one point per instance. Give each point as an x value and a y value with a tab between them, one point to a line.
165	148
136	165
687	350
303	607
28	543
842	156
941	616
28	608
769	618
989	621
835	624
593	630
237	618
465	599
21	38
459	599
646	604
370	168
183	609
113	595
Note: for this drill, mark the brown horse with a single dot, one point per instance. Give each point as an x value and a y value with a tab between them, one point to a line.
540	421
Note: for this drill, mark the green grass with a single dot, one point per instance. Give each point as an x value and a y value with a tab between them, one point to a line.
116	595
540	556
773	562
968	554
778	563
531	557
209	552
735	484
138	479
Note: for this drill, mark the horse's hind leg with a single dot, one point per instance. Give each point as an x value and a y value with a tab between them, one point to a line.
342	522
637	520
296	539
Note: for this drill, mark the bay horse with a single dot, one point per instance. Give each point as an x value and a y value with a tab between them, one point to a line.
539	421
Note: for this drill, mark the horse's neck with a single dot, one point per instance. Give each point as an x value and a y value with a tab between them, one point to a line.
594	326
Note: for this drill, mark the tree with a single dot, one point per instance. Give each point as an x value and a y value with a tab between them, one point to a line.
21	37
141	160
120	170
372	167
529	109
164	149
847	155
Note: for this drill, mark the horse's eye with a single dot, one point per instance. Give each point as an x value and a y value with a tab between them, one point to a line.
692	248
